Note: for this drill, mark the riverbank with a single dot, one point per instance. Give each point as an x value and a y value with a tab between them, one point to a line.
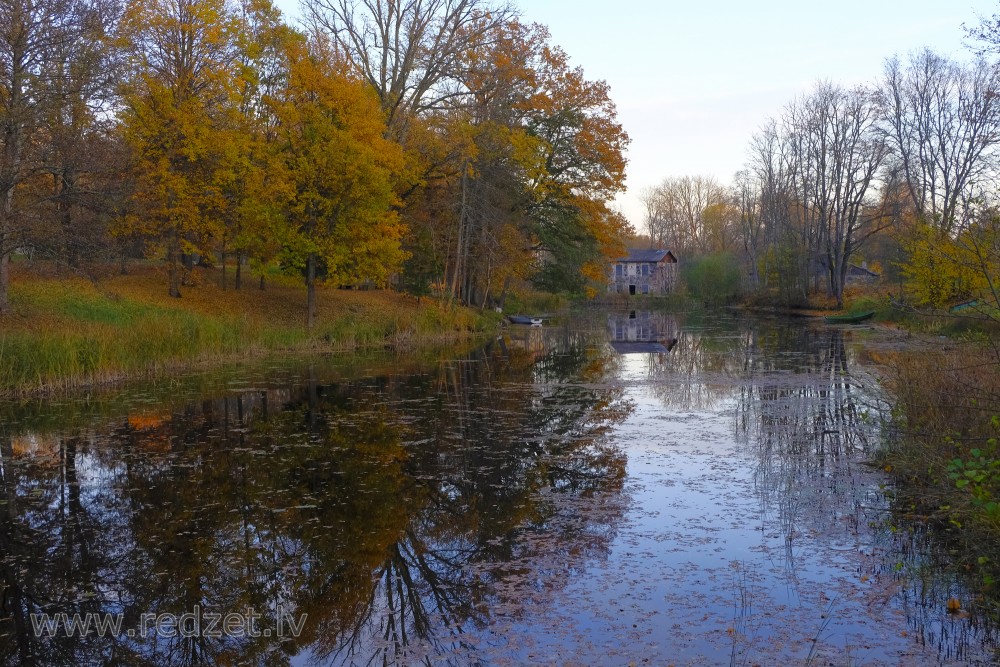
943	448
976	321
69	332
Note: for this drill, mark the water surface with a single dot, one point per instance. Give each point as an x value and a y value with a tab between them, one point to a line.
618	488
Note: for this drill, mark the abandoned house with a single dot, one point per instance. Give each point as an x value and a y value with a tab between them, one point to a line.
644	271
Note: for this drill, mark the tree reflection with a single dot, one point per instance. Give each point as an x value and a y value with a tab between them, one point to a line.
385	509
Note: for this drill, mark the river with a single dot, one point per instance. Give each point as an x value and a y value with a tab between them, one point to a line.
618	488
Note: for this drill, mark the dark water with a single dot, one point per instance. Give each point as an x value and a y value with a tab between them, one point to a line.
631	488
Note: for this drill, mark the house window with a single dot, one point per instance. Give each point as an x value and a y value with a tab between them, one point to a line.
645	289
645	269
619	269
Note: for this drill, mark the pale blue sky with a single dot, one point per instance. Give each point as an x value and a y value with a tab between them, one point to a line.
694	80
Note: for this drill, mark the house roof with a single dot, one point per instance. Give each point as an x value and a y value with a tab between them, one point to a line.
862	270
645	255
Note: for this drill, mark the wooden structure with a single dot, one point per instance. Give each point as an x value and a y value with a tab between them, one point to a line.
644	271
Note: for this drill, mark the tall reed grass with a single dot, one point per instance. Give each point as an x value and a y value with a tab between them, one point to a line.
947	428
67	333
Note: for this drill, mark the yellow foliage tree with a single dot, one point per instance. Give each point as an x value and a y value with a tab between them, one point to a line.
340	222
942	269
182	58
250	173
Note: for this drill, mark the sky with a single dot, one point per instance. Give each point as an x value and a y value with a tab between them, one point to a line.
694	80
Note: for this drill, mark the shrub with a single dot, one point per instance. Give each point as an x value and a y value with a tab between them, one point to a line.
712	278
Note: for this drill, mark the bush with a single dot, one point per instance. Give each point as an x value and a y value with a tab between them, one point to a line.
713	278
947	407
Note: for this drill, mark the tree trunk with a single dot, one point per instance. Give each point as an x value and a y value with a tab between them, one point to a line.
222	256
842	280
6	248
310	291
65	183
456	280
503	293
173	270
4	280
239	271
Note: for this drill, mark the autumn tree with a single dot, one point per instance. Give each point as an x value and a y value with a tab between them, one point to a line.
182	59
582	168
82	156
253	195
31	34
417	57
340	225
490	245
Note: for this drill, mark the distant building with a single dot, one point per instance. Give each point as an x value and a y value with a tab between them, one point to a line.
861	274
644	271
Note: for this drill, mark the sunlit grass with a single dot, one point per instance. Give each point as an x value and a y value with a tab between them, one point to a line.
70	332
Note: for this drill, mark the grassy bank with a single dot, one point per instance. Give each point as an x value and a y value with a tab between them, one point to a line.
68	332
944	449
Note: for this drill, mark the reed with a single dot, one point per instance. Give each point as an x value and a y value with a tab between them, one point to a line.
69	332
947	425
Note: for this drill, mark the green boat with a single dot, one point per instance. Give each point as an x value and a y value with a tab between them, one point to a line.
963	306
849	319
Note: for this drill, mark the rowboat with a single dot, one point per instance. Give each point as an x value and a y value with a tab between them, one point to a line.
524	319
849	319
963	306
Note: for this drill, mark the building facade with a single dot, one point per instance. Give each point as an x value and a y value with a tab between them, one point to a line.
644	271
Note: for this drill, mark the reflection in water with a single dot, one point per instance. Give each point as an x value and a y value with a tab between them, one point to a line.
818	544
637	485
642	332
386	509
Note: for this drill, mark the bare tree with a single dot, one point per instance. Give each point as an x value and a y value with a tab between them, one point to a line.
769	175
29	33
676	212
942	120
81	154
411	51
985	36
748	195
845	153
807	201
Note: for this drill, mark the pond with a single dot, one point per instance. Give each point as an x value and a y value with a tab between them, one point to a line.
620	488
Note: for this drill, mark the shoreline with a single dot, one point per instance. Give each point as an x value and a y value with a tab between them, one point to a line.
67	334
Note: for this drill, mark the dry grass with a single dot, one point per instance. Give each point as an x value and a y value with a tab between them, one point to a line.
68	331
948	417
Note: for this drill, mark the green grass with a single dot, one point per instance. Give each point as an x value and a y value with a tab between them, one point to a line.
530	302
67	333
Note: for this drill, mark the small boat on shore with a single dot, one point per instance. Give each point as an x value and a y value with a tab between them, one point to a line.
849	318
525	319
964	306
